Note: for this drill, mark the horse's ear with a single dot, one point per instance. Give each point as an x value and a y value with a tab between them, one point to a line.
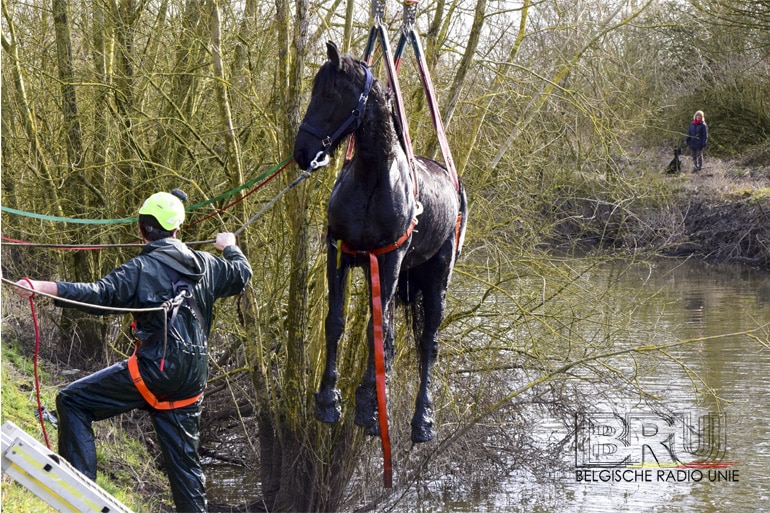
333	53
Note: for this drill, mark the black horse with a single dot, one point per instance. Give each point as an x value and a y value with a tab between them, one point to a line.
410	219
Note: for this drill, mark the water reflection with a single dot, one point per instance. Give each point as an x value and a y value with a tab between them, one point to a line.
713	304
694	300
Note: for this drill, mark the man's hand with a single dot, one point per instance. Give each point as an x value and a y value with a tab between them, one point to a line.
46	287
224	239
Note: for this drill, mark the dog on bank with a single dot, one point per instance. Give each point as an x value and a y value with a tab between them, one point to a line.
675	166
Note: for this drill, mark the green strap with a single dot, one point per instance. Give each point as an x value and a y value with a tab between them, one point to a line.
125	220
68	219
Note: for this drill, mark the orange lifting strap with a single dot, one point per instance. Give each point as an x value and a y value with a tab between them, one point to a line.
133	369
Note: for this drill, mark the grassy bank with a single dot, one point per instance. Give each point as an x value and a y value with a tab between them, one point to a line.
126	469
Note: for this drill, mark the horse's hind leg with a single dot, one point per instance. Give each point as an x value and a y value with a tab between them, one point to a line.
432	279
327	399
422	421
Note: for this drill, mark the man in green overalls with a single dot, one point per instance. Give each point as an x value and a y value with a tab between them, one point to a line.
168	372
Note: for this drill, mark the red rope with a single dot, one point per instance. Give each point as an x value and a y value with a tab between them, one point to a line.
66	247
252	191
35	365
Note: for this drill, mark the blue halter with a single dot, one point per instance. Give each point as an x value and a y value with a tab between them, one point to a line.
328	141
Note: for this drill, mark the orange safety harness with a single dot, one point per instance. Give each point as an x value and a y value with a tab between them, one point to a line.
183	293
154	402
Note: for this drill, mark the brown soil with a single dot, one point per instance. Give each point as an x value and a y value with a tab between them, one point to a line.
719	214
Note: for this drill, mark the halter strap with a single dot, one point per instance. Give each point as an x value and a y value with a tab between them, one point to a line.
328	141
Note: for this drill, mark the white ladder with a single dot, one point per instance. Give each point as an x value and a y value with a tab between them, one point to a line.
50	477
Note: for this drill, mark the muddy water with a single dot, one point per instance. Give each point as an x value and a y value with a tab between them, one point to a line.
726	426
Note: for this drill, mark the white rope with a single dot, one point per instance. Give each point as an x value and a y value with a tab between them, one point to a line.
167	305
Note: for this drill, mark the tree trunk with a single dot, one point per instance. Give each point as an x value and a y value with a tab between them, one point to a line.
233	163
90	329
125	15
290	439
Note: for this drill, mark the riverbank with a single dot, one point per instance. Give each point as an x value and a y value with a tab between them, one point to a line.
719	214
126	468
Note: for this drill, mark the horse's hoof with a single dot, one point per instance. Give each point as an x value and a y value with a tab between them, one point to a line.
328	409
422	430
366	410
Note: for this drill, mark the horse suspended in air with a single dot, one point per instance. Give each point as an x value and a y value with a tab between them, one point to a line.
404	222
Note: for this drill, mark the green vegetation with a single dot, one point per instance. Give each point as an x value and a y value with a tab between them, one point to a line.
126	470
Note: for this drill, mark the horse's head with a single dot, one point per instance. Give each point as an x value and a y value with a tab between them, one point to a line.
340	91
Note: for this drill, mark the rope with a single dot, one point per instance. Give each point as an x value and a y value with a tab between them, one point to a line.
7	241
273	173
163	306
126	220
301	177
279	167
284	165
35	364
67	219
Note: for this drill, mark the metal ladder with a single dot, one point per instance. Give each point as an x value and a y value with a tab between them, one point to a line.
50	477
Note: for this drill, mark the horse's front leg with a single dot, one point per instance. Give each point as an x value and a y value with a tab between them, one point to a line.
366	392
327	399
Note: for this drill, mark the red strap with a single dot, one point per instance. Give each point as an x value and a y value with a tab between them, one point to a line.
141	386
379	367
458	230
386	249
35	362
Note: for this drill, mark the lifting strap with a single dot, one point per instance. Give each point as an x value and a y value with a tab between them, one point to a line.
408	35
393	63
377	33
379	345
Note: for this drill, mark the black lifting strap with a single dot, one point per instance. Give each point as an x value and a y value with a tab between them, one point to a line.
182	284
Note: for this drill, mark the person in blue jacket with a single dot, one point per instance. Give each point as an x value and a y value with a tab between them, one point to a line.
697	139
168	371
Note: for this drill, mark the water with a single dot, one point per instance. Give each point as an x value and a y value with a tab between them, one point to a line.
724	378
